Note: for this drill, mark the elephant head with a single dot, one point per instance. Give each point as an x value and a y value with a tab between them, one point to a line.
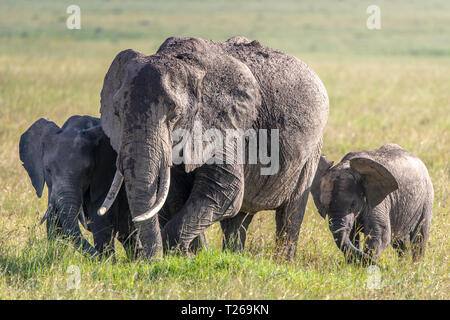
357	184
146	98
67	159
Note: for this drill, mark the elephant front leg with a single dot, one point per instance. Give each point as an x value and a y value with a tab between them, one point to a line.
355	234
102	228
235	231
217	194
103	234
198	243
378	239
355	238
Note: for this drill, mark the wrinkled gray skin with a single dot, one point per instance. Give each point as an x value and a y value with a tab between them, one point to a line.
386	194
78	164
180	187
238	84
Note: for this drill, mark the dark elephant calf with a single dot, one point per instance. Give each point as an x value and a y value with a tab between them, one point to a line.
386	194
77	163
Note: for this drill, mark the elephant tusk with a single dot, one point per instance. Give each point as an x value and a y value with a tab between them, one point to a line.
112	193
46	214
83	218
163	192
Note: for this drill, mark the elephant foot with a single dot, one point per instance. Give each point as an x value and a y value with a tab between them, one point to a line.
148	232
363	261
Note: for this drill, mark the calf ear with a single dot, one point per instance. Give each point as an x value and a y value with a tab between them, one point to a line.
104	170
378	182
31	151
322	167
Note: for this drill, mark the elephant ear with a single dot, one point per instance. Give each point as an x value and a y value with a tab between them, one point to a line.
323	166
31	151
377	180
214	92
105	168
114	92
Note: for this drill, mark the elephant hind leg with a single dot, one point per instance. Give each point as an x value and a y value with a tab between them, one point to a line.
420	235
418	246
288	221
235	231
289	216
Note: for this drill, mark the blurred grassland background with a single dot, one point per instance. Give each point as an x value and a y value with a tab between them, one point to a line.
388	85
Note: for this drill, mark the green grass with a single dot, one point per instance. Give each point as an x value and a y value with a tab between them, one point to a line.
389	85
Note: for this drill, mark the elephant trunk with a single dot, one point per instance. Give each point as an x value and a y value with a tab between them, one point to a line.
68	212
163	191
340	227
145	166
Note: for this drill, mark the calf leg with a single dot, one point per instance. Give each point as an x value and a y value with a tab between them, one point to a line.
103	233
421	234
102	227
378	236
401	246
355	234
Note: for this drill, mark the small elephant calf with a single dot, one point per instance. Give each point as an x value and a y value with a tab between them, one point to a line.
385	193
77	163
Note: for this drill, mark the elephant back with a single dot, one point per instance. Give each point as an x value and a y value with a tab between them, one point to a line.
294	99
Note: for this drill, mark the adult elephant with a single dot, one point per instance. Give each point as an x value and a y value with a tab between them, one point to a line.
238	84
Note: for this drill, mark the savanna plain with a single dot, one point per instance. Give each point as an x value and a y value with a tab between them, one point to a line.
386	85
